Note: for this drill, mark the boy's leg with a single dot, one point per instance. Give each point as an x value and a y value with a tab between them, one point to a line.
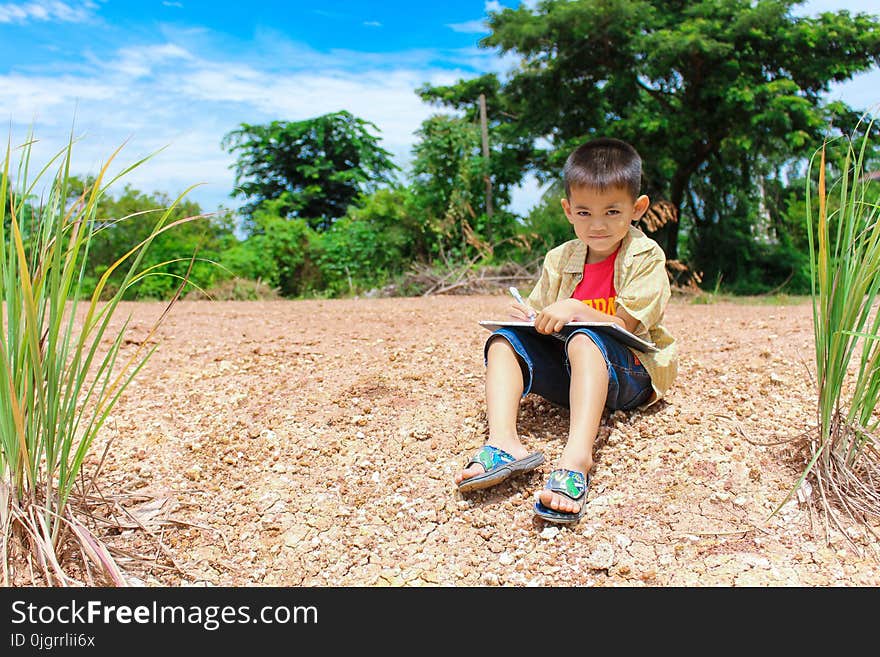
504	388
587	394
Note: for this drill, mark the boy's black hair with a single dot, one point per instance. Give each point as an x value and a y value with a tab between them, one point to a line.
602	164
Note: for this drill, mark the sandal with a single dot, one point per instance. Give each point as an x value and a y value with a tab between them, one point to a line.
498	466
574	485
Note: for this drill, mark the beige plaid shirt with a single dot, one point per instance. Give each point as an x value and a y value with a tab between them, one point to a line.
642	290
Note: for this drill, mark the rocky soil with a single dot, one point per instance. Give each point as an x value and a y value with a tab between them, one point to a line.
313	443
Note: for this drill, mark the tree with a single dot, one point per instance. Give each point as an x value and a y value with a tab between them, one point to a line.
314	168
716	95
129	217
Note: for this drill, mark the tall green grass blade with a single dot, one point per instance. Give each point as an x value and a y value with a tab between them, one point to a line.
58	384
845	283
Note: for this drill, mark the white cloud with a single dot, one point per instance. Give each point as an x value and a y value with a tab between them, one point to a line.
470	27
143	61
46	10
372	23
43	99
478	26
165	95
385	98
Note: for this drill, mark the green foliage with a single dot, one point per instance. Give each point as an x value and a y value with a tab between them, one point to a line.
748	263
449	188
289	245
235	289
61	369
354	254
312	169
510	142
844	245
129	217
718	96
546	225
250	259
371	244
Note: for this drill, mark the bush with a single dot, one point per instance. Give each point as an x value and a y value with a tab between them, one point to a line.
235	289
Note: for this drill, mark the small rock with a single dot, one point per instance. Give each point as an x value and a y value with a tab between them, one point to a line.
549	533
491	579
430	576
602	557
293	536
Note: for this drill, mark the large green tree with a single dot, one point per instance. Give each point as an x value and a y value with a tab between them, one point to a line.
313	169
449	185
717	95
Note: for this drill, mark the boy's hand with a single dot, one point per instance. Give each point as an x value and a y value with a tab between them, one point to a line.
521	313
557	315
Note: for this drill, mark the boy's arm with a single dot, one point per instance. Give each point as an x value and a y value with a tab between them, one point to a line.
554	316
645	293
547	284
620	317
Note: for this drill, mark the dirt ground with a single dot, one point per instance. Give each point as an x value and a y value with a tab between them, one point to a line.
313	443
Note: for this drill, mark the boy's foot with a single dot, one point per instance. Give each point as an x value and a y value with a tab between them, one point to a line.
492	464
564	498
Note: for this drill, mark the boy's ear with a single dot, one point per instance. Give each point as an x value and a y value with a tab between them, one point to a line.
566	207
641	206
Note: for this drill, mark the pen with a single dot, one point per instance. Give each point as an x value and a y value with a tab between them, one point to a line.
518	297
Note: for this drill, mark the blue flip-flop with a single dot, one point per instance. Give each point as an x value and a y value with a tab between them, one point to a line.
498	466
574	485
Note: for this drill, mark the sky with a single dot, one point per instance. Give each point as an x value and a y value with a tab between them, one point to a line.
173	77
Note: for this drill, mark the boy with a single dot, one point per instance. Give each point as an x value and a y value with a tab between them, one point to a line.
612	272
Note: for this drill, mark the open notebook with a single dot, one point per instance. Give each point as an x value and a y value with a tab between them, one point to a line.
615	330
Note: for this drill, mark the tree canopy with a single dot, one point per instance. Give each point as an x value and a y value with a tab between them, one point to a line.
314	169
716	95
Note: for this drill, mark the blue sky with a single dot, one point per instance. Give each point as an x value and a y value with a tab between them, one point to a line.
181	74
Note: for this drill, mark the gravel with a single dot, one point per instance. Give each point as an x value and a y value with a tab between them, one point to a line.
313	443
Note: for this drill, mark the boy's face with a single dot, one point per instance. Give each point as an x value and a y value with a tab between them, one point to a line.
601	219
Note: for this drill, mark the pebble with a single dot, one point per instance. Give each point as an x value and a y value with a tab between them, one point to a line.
549	532
602	557
490	579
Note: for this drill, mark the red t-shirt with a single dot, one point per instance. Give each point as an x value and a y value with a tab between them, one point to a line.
597	287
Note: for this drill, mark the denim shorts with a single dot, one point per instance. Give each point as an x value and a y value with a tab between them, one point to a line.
547	372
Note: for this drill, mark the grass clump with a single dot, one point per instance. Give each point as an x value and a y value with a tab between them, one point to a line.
61	367
843	208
